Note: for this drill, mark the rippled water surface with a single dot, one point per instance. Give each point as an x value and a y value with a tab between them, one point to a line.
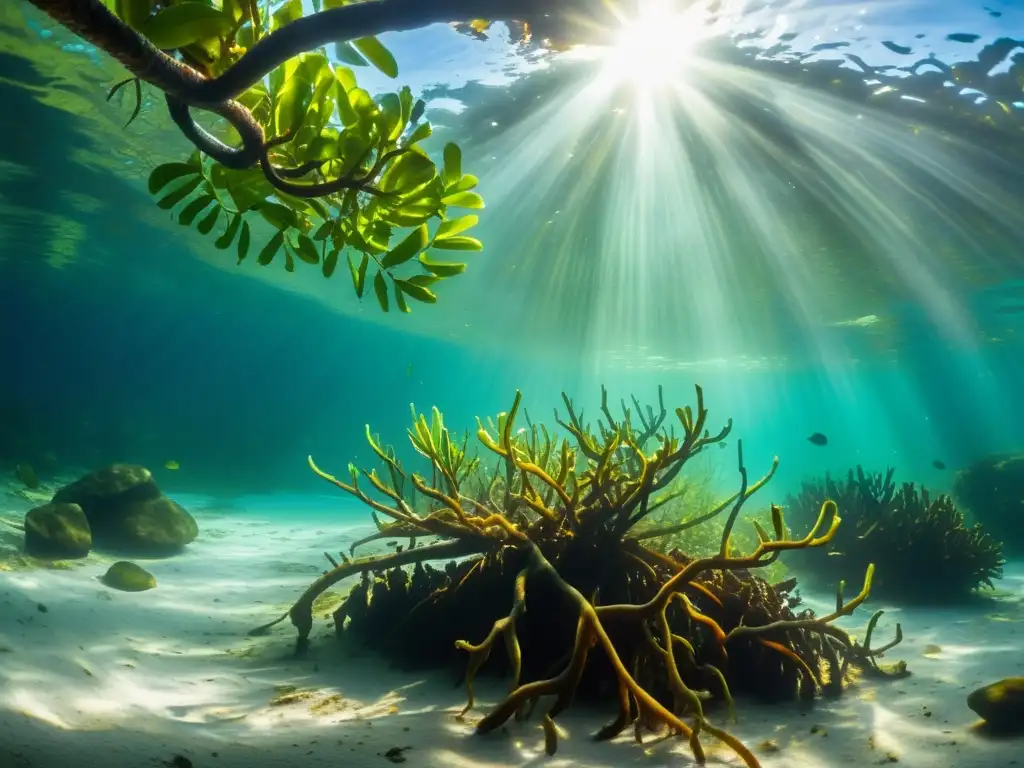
802	181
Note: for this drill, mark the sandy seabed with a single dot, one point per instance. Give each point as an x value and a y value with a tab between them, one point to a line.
94	677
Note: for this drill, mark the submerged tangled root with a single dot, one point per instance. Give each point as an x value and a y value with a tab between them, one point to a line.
551	528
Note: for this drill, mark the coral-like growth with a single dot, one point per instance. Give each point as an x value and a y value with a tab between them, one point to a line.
684	514
593	610
992	490
923	550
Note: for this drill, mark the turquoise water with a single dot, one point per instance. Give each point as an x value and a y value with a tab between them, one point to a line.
122	345
810	209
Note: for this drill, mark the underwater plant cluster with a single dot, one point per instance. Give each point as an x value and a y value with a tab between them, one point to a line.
593	611
924	550
992	489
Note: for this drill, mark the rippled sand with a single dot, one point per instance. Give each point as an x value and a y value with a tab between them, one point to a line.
90	676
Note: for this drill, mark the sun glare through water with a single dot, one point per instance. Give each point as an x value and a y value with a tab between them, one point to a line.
653	49
694	210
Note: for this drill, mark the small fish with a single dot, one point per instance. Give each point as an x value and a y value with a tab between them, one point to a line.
172	465
938	464
723	444
818	439
409	370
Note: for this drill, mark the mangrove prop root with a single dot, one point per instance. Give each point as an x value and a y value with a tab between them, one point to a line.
649	712
301	612
539	496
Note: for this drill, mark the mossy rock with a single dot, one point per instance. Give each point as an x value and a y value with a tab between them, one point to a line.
128	577
126	511
1000	704
58	531
27	476
115	485
157	525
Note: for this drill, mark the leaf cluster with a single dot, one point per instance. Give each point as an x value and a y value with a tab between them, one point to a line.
387	208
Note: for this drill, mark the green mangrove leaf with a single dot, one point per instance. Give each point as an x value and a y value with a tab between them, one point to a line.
247	188
352	147
375	237
338	239
363	104
418	292
375	52
164	174
296	93
415	208
243	242
194	208
305	208
391	124
323	231
460	243
346	79
289	261
306	250
466	183
176	26
421	132
206	224
225	240
359	273
464	200
286	14
169	201
441	268
255	97
277	215
407	172
452	163
270	249
410	215
236	9
380	287
413	243
363	264
423	280
405	99
346	53
133	12
452	227
330	263
324	95
400	299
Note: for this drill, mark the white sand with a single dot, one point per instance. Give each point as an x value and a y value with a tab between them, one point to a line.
105	678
